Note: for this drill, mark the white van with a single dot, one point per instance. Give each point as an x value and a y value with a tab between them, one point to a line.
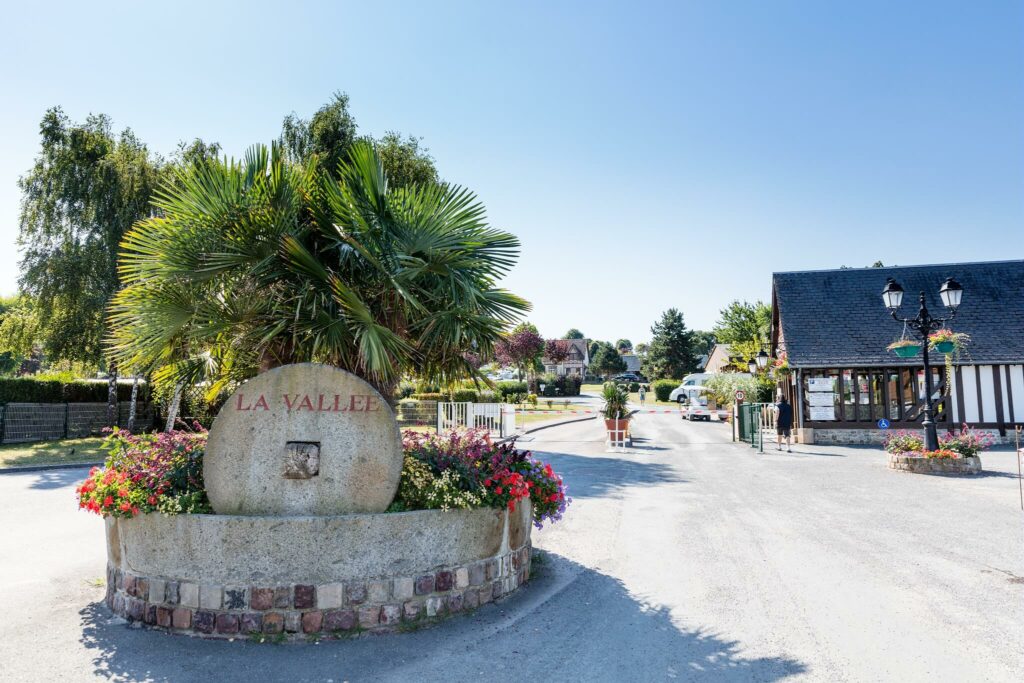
681	395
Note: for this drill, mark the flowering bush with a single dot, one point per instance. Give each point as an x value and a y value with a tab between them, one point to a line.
940	453
478	473
903	442
968	443
148	473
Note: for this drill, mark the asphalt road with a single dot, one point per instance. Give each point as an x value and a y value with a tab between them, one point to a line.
685	558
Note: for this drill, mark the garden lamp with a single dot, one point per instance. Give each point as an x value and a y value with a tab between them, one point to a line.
951	292
752	366
893	294
762	359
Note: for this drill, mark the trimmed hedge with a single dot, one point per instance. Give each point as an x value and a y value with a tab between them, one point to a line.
28	390
663	387
429	397
465	396
509	391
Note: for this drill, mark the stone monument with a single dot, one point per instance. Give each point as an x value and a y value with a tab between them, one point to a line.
303	439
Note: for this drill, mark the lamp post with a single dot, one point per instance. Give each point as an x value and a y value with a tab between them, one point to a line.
925	323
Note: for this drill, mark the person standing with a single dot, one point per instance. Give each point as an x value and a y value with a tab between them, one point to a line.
643	394
783	422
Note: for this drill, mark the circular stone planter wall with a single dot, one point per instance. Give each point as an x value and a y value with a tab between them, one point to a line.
280	577
919	465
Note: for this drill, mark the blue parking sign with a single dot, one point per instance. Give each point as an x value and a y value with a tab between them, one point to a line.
883	424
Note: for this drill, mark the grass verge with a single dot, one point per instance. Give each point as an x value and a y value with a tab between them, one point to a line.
63	452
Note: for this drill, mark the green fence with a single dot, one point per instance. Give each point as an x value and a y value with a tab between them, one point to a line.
750	424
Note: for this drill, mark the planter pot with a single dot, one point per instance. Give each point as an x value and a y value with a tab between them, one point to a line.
944	346
616	425
907	351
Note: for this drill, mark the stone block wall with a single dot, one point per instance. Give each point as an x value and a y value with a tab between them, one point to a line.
337	609
877	436
919	465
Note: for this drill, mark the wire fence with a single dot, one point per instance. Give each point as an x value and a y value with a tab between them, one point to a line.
26	422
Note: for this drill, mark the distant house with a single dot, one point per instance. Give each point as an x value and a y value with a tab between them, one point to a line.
632	362
576	361
718	359
833	328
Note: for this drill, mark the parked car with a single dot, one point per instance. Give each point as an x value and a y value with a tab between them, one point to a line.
627	377
696	409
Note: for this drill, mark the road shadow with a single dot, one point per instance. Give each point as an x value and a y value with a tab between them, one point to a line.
601	475
57	479
569	622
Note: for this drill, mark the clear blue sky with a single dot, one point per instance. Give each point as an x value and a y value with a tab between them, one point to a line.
648	155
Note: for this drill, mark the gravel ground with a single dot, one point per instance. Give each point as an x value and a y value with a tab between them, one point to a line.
687	557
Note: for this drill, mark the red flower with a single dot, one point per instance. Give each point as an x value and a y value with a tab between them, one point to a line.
108	501
126	506
152	500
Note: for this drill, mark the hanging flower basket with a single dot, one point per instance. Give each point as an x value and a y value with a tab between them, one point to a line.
905	348
948	341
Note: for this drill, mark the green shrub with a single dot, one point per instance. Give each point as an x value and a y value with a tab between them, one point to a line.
405	390
663	387
488	397
507	391
465	396
634	387
570	385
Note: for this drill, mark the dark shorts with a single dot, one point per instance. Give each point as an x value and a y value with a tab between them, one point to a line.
782	431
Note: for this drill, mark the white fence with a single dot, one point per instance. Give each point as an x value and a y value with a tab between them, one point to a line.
497	418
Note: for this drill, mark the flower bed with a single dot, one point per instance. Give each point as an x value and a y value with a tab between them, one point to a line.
461	470
957	453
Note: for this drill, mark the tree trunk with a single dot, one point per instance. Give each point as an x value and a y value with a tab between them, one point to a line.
172	409
112	395
133	404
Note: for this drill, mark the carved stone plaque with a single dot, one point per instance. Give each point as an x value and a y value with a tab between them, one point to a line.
301	460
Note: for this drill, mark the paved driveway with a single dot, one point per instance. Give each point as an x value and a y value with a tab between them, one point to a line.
687	558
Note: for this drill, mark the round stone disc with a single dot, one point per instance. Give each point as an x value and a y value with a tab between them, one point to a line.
303	439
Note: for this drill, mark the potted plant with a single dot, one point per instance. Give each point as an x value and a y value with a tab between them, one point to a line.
615	411
905	348
781	366
948	341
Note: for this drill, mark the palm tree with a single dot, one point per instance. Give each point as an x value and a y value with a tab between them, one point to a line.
260	263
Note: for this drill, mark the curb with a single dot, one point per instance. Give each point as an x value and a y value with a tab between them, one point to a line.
558	424
43	468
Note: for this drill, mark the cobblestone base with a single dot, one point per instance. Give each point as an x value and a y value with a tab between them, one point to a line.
918	465
295	611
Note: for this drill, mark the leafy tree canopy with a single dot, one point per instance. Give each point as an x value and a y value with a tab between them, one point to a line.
624	346
703	342
741	321
332	131
573	333
85	190
671	351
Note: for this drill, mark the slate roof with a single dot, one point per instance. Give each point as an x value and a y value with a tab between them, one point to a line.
632	362
831	318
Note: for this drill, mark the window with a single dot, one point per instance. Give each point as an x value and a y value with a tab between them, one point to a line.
877	400
863	384
892	393
849	396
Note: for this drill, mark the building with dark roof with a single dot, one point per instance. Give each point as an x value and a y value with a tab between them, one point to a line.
576	361
832	328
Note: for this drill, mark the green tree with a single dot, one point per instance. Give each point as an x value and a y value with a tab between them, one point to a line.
624	346
671	351
607	360
260	263
741	321
405	161
329	134
573	333
84	192
332	131
703	342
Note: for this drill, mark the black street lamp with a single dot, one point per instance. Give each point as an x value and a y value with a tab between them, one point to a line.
758	362
951	293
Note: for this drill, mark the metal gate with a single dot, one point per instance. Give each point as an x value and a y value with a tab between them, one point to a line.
496	418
